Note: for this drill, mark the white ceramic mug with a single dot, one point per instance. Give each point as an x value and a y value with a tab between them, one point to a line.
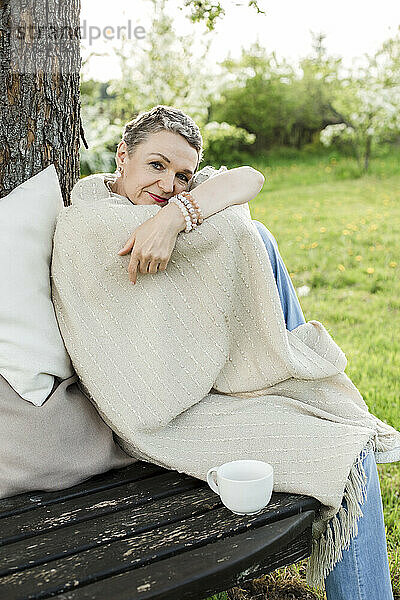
244	486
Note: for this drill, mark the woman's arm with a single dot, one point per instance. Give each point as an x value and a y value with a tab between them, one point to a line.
153	241
235	186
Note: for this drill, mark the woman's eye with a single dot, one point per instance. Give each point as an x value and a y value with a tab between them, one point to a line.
183	177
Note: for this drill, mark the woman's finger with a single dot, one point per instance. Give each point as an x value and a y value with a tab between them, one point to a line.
153	266
128	246
144	265
132	268
124	250
163	265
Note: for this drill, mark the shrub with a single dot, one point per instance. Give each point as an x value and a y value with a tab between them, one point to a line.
102	138
225	144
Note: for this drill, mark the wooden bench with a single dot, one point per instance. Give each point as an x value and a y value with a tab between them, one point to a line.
143	532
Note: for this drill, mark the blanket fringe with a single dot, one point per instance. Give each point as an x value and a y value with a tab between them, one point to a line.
339	530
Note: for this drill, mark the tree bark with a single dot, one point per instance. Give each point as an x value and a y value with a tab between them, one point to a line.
39	91
367	152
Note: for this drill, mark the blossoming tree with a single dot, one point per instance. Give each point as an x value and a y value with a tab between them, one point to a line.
40	120
368	103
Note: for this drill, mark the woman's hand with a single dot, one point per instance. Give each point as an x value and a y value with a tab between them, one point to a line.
152	242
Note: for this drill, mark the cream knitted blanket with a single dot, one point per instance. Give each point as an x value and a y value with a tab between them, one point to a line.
193	367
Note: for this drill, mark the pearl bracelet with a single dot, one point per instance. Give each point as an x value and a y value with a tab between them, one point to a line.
194	203
185	212
189	208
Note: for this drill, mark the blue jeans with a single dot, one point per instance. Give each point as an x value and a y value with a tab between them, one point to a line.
289	301
363	572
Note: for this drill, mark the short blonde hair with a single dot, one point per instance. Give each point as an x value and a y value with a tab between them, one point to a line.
163	118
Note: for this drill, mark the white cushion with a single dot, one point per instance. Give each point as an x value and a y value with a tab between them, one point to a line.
32	351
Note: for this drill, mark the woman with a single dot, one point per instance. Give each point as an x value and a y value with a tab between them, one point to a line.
158	158
145	177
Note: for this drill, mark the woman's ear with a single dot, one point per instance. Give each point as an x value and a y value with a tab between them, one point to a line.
122	152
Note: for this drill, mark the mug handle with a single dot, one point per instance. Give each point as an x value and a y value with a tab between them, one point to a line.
211	481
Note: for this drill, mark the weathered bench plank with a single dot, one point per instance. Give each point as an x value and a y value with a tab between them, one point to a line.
92	534
143	496
25	502
210	569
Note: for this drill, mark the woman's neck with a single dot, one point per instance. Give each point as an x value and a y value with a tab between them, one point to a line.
115	187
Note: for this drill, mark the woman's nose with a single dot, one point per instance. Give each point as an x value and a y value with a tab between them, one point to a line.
167	182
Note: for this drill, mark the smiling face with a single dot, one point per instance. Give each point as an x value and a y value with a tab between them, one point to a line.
159	167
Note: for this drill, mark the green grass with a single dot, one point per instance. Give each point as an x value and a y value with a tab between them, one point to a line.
340	235
286	168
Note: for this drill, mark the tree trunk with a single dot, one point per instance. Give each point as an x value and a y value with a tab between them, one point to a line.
367	152
39	91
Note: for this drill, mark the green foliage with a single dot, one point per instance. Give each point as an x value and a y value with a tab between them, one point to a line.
287	107
367	102
253	96
224	143
162	70
102	138
312	92
209	11
300	106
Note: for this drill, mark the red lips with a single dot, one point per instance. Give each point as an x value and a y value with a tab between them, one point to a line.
157	198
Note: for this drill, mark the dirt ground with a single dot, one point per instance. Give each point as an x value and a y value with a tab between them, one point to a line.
287	583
